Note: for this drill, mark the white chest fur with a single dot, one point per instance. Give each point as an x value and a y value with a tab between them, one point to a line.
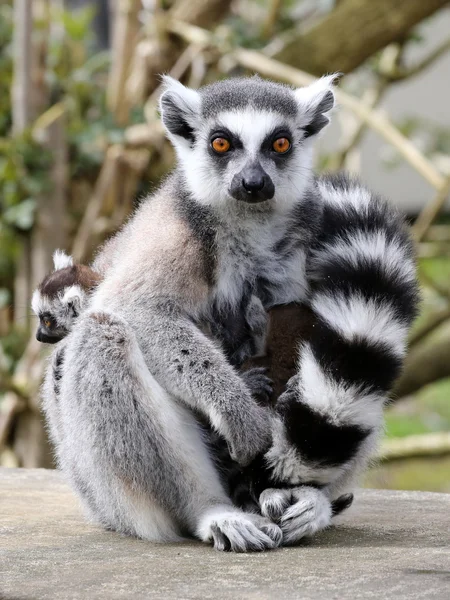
247	252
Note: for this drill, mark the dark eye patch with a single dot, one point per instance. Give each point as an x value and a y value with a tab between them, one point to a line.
279	132
47	320
280	160
223	132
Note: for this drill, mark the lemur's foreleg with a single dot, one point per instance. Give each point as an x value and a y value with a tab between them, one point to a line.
363	299
192	368
136	456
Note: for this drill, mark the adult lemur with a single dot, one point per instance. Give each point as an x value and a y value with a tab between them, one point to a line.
243	211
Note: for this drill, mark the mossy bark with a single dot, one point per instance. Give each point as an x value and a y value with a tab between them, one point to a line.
353	32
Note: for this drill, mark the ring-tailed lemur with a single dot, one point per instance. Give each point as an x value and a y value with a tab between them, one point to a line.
61	297
242	208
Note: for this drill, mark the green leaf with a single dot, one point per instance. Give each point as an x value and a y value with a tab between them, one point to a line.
77	23
21	215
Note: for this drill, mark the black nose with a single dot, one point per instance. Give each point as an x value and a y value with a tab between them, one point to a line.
254	183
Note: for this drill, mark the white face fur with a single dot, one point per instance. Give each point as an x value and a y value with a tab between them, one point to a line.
58	301
236	143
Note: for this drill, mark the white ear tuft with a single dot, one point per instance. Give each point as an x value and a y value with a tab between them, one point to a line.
190	96
314	102
61	260
180	107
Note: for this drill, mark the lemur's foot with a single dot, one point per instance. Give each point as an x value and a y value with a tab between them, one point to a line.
300	512
236	531
259	384
341	504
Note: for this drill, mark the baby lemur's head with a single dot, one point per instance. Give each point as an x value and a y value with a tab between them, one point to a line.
61	297
246	139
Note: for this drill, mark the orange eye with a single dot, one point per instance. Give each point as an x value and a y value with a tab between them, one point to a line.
281	145
221	145
47	323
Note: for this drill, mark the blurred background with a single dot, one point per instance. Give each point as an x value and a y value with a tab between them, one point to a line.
80	143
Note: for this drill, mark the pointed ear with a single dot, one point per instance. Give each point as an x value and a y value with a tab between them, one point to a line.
314	102
74	298
180	108
61	260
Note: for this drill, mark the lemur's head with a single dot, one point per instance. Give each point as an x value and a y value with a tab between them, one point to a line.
60	297
246	139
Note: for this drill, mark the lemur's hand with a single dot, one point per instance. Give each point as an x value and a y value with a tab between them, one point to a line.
259	384
252	435
289	395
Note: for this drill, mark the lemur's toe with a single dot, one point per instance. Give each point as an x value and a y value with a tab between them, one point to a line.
341	504
259	384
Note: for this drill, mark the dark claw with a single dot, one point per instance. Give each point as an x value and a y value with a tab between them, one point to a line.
260	385
341	504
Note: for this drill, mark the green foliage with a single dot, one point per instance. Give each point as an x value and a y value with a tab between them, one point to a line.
23	164
5	68
77	24
414	474
75	76
428	411
437	269
12	347
23	176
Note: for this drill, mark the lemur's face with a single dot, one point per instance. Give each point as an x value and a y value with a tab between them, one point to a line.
49	330
57	307
246	140
60	298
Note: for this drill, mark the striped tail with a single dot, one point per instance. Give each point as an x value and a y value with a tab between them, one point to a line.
363	297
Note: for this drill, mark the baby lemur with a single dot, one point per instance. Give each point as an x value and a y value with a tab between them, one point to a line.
242	211
61	297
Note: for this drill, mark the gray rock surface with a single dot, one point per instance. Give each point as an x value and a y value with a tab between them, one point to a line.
388	545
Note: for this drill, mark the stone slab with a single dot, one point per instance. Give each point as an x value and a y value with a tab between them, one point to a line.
388	545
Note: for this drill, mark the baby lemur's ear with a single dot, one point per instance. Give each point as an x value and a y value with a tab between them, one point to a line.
314	102
74	299
180	107
61	260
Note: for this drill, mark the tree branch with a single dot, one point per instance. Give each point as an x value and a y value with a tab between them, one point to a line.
354	31
271	18
426	362
416	446
202	13
126	29
400	73
431	210
22	97
435	320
